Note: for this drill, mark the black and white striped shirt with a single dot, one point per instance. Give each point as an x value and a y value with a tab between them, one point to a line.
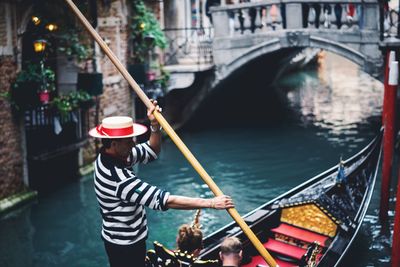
122	196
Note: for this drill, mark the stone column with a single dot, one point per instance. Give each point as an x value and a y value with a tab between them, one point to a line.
370	15
175	14
221	23
294	16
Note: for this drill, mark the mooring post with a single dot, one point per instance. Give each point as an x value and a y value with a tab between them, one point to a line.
388	136
396	230
389	57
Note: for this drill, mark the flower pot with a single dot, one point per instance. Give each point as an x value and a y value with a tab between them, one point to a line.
151	75
44	97
91	83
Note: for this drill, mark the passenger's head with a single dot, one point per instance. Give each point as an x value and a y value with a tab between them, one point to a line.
190	239
231	251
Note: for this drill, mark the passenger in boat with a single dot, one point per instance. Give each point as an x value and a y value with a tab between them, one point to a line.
231	252
190	237
122	196
189	240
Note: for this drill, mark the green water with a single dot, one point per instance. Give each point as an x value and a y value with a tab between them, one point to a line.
292	132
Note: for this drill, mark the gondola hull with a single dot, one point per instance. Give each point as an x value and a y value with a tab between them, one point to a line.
328	209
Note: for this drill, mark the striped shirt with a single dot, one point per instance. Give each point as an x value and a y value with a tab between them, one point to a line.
122	196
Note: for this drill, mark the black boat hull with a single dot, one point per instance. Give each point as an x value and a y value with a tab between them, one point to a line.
345	204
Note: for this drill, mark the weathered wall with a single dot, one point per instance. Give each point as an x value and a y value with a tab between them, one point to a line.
10	137
11	163
117	97
115	100
112	27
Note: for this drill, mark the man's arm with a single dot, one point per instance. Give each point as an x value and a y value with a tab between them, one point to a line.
155	136
155	128
187	203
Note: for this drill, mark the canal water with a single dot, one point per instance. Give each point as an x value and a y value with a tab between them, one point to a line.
256	141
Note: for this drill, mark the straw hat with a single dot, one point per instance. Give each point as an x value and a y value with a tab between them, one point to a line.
117	127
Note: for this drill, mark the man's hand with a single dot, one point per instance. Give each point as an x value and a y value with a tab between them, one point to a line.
150	111
222	202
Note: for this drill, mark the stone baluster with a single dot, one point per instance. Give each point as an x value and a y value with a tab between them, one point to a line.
329	16
344	19
321	15
359	12
258	19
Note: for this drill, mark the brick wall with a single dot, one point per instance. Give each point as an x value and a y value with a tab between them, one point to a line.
10	137
116	98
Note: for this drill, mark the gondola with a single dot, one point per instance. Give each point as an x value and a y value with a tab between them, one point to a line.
313	224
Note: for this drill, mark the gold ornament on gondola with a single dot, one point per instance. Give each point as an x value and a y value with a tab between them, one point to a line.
196	220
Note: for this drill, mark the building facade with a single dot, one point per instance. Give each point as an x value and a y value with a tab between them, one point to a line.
38	143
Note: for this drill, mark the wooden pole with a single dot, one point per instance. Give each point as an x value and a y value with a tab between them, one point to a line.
396	230
389	57
175	138
388	138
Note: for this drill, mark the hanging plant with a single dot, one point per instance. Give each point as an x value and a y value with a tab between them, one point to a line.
69	44
31	81
66	103
146	32
163	79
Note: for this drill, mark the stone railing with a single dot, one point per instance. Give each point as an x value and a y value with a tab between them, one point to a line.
273	15
189	46
390	23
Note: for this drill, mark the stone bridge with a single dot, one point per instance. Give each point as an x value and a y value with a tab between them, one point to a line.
246	31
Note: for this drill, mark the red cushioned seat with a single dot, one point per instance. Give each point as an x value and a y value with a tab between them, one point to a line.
284	249
259	260
301	234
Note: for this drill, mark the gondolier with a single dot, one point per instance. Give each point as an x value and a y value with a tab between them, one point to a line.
122	196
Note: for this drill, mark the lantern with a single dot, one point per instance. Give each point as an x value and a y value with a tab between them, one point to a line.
51	27
36	20
39	45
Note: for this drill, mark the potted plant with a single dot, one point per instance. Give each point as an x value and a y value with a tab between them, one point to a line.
146	34
29	84
163	79
64	104
47	84
69	44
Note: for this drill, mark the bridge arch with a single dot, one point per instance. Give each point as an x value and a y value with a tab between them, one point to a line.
276	44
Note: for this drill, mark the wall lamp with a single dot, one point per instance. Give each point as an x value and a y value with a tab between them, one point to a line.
51	27
39	45
36	20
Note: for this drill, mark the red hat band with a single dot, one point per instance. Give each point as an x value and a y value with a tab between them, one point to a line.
115	132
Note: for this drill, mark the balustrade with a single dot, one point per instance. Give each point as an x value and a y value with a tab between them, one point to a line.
192	46
391	22
268	16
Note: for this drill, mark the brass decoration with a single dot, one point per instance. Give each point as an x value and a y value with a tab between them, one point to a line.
309	217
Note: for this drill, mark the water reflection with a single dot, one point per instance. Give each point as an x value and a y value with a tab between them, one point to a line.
337	97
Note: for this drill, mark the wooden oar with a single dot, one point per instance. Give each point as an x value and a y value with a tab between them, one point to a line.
175	138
